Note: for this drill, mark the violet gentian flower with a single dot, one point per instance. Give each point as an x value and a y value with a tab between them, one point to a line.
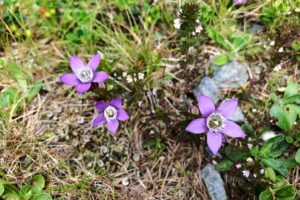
239	2
215	122
110	113
84	75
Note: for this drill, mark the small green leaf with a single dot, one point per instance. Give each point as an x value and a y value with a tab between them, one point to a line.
291	89
285	192
235	154
224	165
297	156
25	192
288	163
265	195
1	189
254	151
292	99
38	183
220	59
289	139
276	165
42	196
274	147
35	89
240	41
269	173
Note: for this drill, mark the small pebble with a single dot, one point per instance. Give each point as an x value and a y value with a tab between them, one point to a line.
136	157
125	181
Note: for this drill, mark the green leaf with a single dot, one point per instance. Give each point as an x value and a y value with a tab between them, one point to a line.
254	151
275	110
240	41
289	139
297	156
285	120
269	173
248	129
42	196
1	189
288	163
25	192
265	195
285	192
291	89
235	154
35	89
8	97
38	183
274	147
220	59
15	72
276	165
224	165
218	38
292	99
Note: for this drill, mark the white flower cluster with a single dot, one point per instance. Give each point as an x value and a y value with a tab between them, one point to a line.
130	78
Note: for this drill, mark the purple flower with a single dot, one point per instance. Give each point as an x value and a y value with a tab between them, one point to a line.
110	113
215	122
84	75
239	2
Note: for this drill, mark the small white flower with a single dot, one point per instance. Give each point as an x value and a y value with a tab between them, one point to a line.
280	50
297	10
262	171
197	21
177	23
277	68
254	175
239	165
193	33
214	162
129	79
249	160
141	75
198	28
250	145
272	43
246	173
124	74
125	181
254	110
140	103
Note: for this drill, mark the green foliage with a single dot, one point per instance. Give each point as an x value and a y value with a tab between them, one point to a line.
224	165
280	192
297	156
220	59
287	109
189	15
233	43
296	50
27	192
269	173
235	154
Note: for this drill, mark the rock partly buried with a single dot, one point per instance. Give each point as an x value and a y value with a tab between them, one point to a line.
208	87
213	182
238	116
231	75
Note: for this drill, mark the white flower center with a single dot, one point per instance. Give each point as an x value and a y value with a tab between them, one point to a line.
85	75
110	113
215	122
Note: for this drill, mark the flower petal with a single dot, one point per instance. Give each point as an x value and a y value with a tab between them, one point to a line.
99	120
100	77
122	115
197	126
233	130
94	62
228	107
214	141
101	105
112	126
83	87
70	79
117	103
76	64
205	105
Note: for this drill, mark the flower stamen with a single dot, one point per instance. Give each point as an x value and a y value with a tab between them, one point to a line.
110	113
215	122
85	75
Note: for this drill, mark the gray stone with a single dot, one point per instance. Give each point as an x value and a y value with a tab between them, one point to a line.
208	87
238	116
231	75
213	182
256	28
